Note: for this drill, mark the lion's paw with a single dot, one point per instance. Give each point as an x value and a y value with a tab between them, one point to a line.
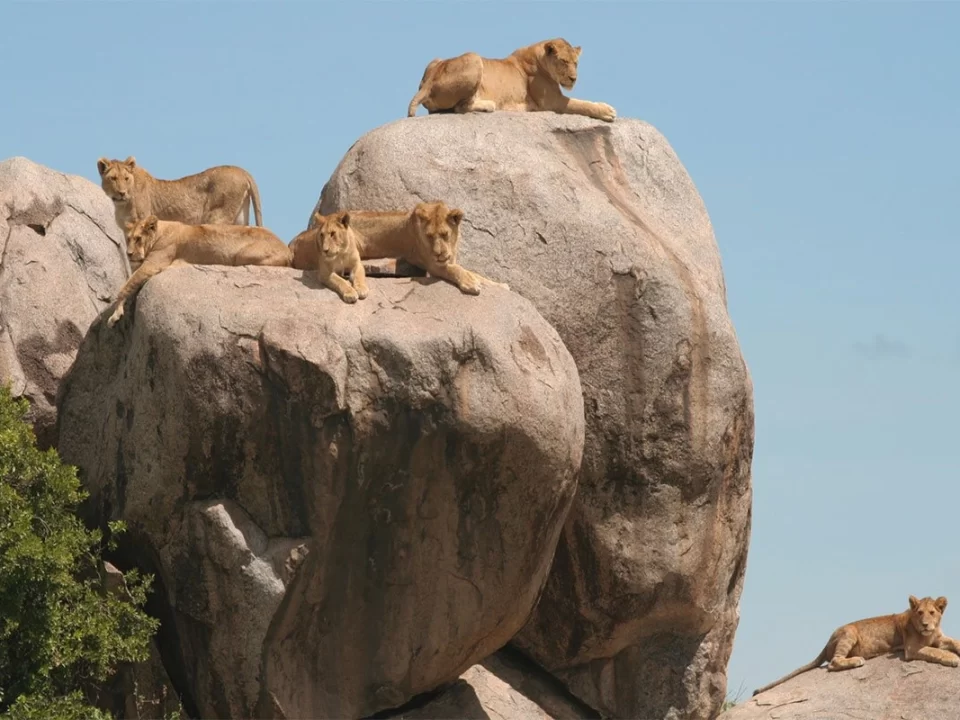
117	314
607	113
470	287
350	297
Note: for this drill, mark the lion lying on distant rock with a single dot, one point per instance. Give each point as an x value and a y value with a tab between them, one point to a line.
916	630
158	245
332	247
426	236
218	195
528	80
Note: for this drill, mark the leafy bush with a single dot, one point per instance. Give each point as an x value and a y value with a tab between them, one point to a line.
61	631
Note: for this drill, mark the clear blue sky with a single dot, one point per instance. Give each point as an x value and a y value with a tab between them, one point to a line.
823	137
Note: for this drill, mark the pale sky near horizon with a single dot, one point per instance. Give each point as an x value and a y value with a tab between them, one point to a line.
823	137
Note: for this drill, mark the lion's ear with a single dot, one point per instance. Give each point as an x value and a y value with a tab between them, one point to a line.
454	217
941	603
129	226
102	165
345	219
130	162
150	224
577	50
550	48
421	212
914	602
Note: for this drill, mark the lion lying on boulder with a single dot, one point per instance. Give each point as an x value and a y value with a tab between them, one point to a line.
331	248
916	630
426	236
528	80
158	245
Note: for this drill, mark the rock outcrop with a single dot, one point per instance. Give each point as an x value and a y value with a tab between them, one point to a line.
345	505
885	688
602	229
61	259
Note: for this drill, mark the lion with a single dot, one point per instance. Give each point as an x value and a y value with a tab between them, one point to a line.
427	236
218	195
916	631
160	244
332	247
528	80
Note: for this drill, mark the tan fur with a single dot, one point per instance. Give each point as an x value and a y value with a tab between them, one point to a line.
158	244
528	80
331	248
218	195
427	236
916	631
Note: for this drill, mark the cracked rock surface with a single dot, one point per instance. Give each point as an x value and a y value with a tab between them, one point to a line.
601	228
61	258
344	505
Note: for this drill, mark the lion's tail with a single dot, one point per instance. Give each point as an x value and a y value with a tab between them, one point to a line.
255	198
821	658
423	91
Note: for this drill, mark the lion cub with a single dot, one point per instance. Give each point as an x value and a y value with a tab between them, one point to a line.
218	195
427	236
916	630
159	244
332	247
528	80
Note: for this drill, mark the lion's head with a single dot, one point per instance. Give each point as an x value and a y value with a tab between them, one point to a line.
560	60
333	233
925	614
140	238
439	228
116	177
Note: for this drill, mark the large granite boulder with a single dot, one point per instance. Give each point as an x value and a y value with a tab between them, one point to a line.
885	688
345	505
602	229
61	258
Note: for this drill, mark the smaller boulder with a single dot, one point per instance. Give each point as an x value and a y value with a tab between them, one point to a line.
505	686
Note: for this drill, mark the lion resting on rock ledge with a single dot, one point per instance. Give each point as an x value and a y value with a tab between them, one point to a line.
528	80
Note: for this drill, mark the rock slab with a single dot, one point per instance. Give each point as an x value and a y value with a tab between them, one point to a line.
503	687
885	688
601	228
345	505
62	257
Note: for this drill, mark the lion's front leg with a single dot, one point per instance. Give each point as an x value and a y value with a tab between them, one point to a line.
949	644
340	286
932	655
133	284
358	276
459	276
597	110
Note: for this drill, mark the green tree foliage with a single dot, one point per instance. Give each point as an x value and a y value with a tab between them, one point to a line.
61	631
